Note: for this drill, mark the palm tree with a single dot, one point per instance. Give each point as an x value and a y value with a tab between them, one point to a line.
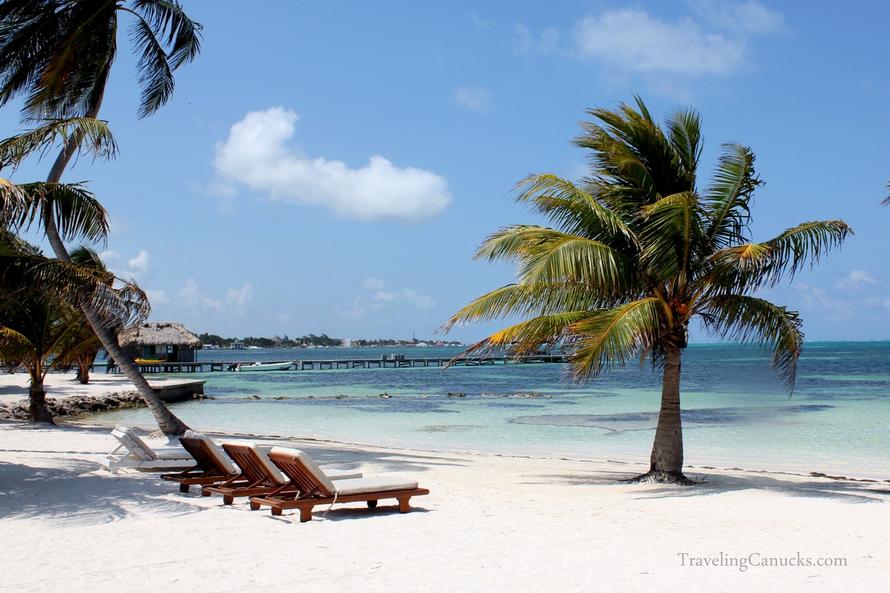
76	214
638	252
59	53
39	327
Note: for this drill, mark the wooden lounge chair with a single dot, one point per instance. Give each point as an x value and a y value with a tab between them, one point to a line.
309	486
258	475
134	453
213	466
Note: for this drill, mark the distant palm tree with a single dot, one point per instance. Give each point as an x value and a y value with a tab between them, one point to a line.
82	345
40	327
638	252
59	53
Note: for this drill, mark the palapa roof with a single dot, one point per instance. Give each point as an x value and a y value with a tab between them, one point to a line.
158	334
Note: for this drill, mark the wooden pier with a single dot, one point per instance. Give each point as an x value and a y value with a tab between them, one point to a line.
383	362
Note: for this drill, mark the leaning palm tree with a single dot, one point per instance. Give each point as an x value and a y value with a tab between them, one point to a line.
637	252
75	214
59	53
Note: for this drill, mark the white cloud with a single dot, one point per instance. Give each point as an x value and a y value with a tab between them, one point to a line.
474	98
855	280
747	17
190	296
371	283
239	297
421	301
140	262
478	21
824	302
375	297
158	297
383	296
713	40
131	269
258	154
633	41
527	42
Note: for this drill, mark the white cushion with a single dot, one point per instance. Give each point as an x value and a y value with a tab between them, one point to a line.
342	474
271	470
367	485
309	465
215	451
133	443
172	453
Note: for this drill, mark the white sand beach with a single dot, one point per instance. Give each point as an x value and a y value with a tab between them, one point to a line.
489	524
14	386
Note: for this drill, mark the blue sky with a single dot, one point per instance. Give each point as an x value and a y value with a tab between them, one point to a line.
331	167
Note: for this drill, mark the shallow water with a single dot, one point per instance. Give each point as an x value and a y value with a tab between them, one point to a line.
737	412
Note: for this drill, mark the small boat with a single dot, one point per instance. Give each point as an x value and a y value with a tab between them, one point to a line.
264	366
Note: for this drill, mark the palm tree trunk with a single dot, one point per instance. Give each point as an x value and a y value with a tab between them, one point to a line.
666	461
169	424
37	408
84	364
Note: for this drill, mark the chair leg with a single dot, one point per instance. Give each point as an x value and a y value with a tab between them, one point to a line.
228	499
404	507
183	487
276	511
305	514
254	506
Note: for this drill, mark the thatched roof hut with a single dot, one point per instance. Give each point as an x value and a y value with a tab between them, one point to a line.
170	341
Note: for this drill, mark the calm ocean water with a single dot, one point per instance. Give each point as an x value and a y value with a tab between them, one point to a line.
736	410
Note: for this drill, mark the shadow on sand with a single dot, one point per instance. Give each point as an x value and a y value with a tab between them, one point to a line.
78	493
853	491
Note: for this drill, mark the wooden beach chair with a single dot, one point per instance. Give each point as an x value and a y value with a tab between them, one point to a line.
309	487
258	475
134	453
213	465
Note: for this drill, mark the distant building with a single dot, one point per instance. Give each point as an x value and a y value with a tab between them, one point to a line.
346	342
170	342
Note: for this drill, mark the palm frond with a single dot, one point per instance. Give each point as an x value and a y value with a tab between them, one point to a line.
155	74
76	211
14	346
527	336
549	256
754	265
684	134
670	230
572	208
527	300
12	202
93	135
729	195
612	336
160	24
749	319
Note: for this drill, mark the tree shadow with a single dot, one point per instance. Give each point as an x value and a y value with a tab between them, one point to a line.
77	493
853	491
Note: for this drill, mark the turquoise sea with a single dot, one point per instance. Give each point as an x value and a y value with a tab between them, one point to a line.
736	410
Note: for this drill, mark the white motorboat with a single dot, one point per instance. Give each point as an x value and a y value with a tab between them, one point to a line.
264	366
